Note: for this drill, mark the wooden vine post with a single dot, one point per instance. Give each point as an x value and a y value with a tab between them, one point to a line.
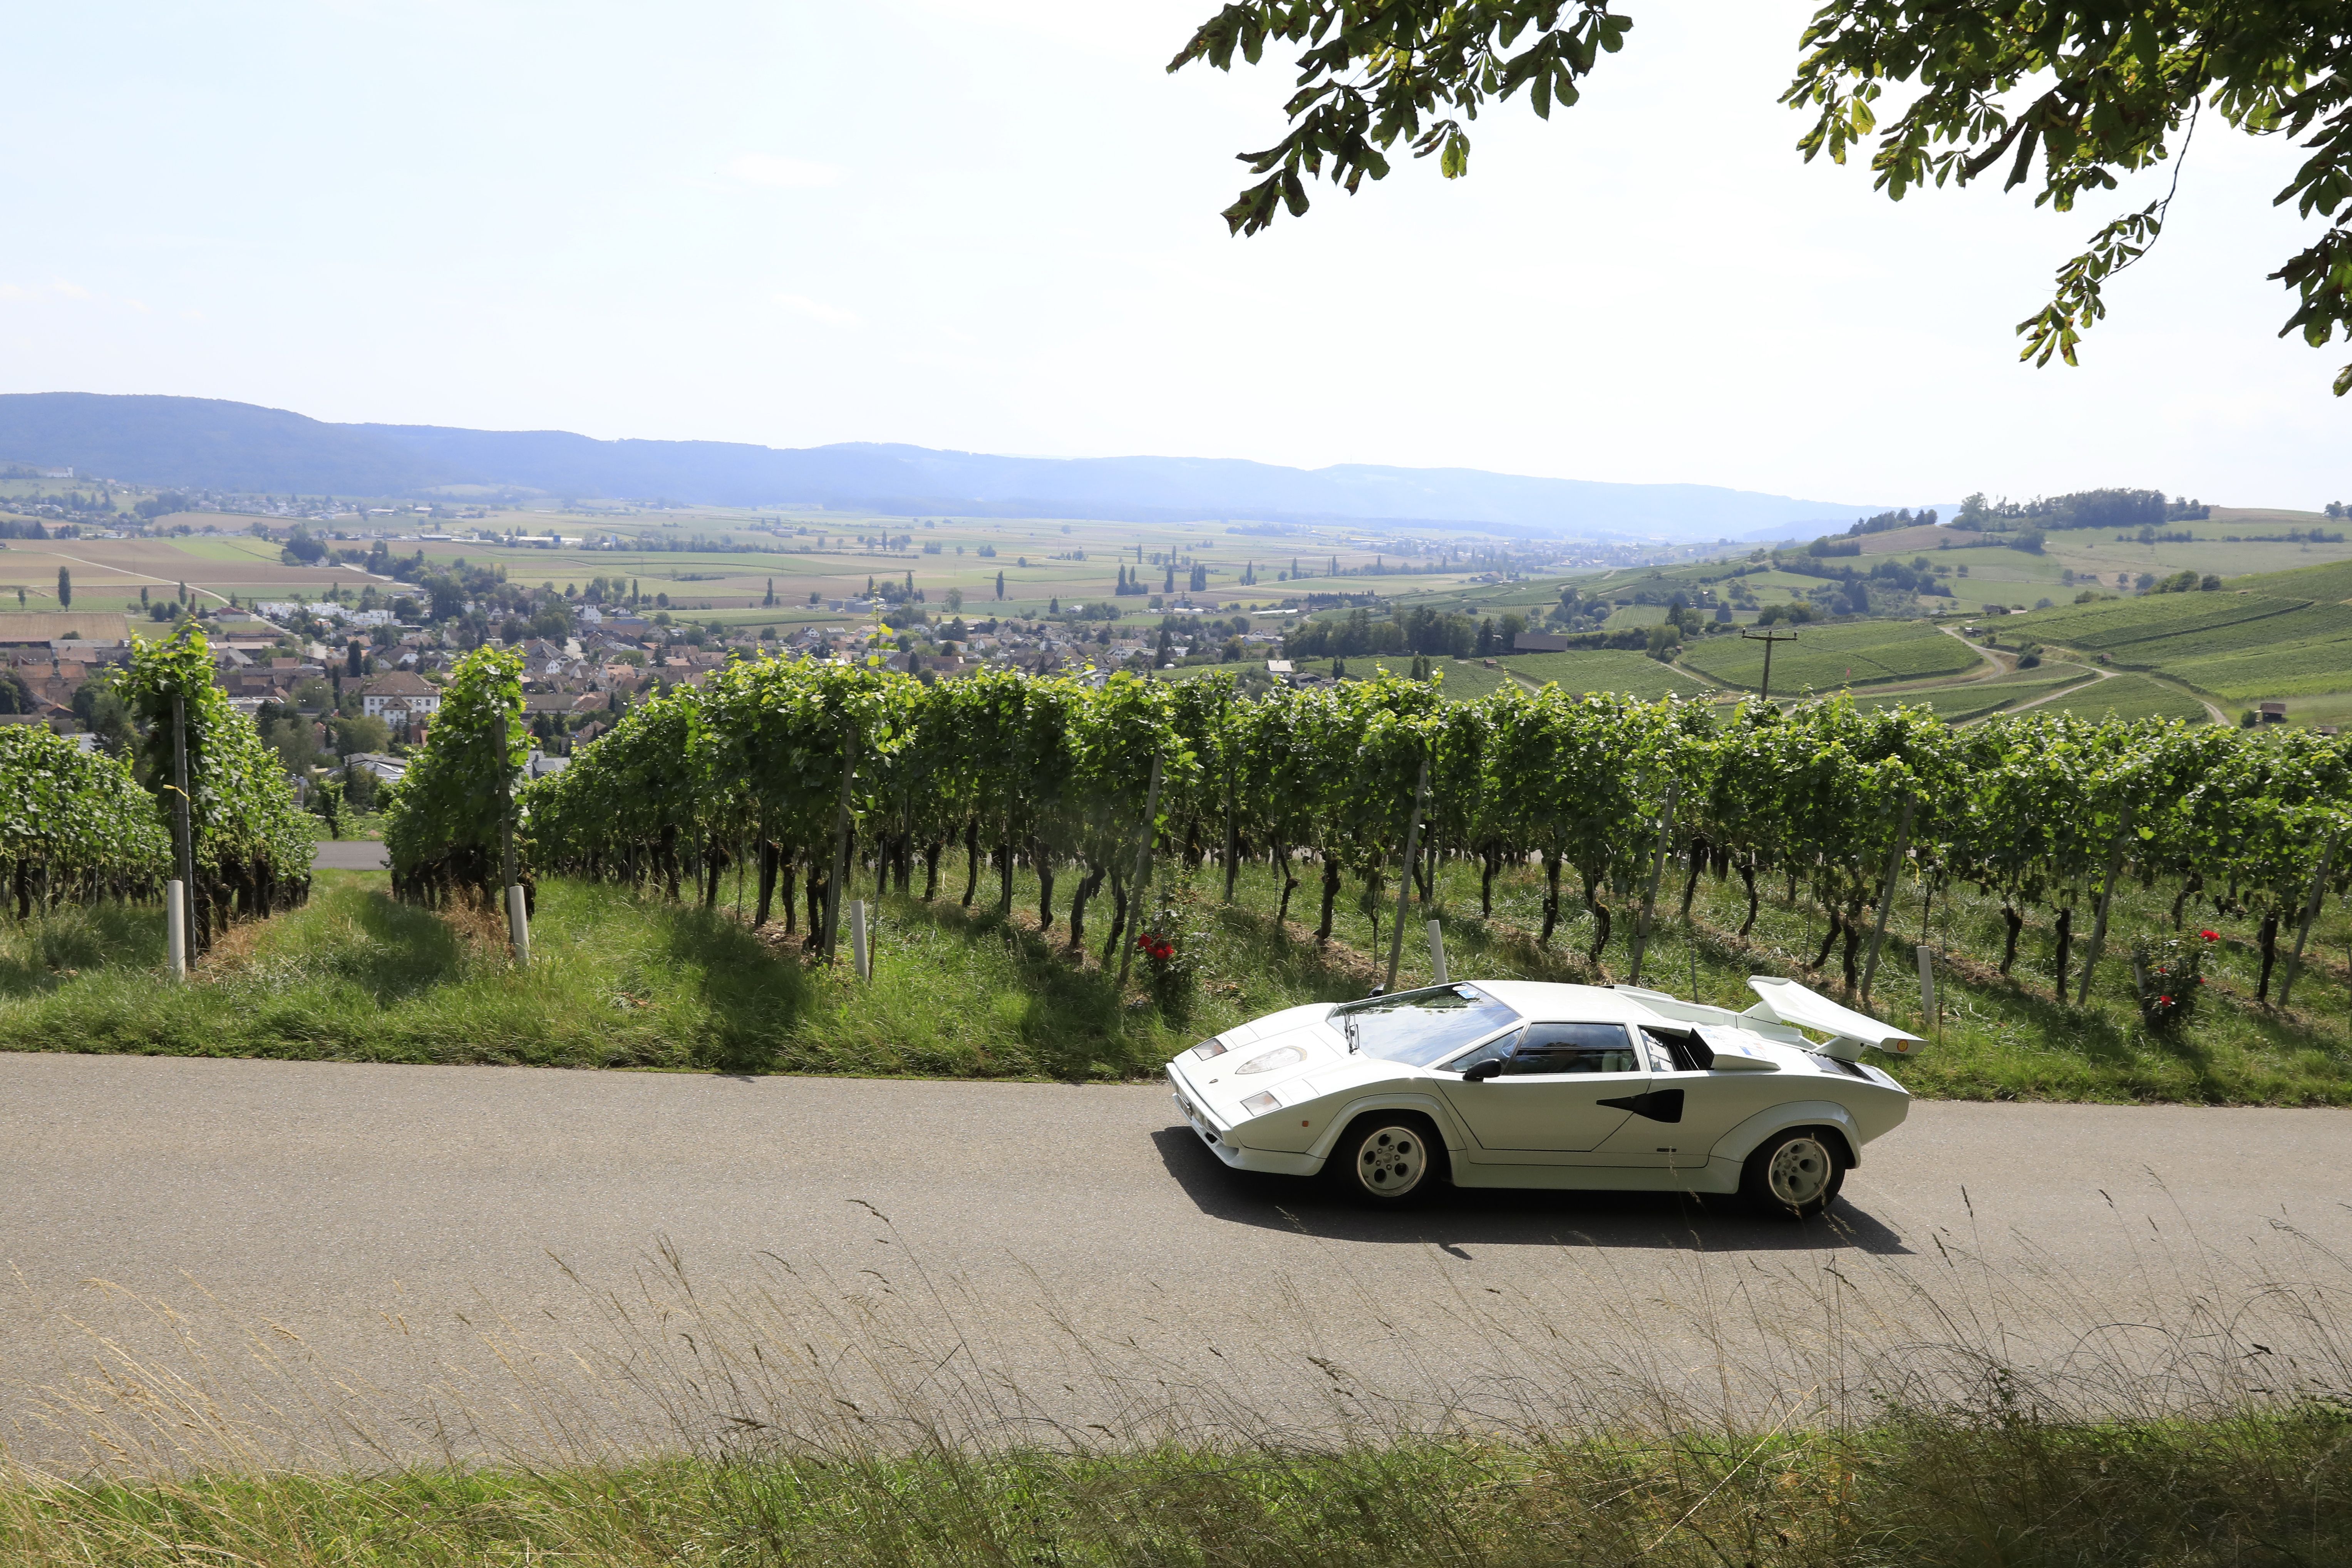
1232	832
1404	882
1657	869
2310	913
1886	894
1142	872
2106	900
840	846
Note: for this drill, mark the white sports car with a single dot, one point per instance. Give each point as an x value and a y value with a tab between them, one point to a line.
1523	1084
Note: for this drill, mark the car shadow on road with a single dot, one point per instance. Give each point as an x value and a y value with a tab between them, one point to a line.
1452	1219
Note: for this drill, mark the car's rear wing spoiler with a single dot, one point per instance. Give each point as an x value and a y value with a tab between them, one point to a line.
1785	1002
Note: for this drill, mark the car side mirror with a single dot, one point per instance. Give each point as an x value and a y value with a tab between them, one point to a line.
1479	1072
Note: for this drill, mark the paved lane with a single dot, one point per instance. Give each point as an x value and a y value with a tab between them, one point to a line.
374	1215
352	855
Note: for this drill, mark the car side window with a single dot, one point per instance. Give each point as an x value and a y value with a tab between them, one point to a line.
1552	1050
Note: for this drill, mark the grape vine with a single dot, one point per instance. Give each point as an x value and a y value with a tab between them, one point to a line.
810	767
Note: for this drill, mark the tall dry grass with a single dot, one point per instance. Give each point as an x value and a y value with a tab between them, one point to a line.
1832	1409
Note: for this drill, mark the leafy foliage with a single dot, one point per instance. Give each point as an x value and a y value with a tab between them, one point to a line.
73	825
1054	775
250	843
442	823
2096	90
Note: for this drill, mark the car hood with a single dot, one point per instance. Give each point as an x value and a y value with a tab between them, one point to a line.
1309	1042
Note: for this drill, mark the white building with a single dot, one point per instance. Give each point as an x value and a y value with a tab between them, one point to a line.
396	697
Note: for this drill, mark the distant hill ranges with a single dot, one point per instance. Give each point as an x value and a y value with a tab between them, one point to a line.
208	444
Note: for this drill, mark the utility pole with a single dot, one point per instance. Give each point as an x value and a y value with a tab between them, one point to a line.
1768	638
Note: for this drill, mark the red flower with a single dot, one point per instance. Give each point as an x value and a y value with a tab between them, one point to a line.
2164	1000
2210	935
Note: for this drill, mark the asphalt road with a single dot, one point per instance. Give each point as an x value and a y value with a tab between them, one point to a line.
352	855
401	1229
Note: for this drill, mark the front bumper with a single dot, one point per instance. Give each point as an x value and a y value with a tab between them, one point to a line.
1239	1157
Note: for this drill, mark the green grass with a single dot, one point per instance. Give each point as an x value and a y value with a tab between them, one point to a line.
617	980
1922	1491
620	980
2129	697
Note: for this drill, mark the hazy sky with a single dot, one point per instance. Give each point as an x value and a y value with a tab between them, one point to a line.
993	226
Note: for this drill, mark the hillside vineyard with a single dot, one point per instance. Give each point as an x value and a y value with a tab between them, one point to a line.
809	768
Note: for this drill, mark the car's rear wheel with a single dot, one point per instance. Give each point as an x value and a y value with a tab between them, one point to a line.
1386	1158
1796	1173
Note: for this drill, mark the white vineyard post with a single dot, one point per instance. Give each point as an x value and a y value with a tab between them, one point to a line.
1927	989
175	928
182	892
1437	953
517	906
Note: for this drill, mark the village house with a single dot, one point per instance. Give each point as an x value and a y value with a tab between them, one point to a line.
399	697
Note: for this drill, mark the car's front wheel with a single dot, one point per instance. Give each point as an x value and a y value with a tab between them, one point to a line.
1385	1159
1796	1173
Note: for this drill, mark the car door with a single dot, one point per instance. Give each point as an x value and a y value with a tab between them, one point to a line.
1550	1102
1691	1104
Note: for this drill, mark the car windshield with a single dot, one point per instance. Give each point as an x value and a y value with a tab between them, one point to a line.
1418	1028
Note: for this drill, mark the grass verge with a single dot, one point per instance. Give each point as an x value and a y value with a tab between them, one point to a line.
1922	1493
625	980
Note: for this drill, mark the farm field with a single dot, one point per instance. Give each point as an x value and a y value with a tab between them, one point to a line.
1620	671
1962	700
2257	639
2129	697
1865	653
1466	679
2109	626
109	573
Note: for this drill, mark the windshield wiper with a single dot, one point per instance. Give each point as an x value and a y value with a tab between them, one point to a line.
1348	1024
